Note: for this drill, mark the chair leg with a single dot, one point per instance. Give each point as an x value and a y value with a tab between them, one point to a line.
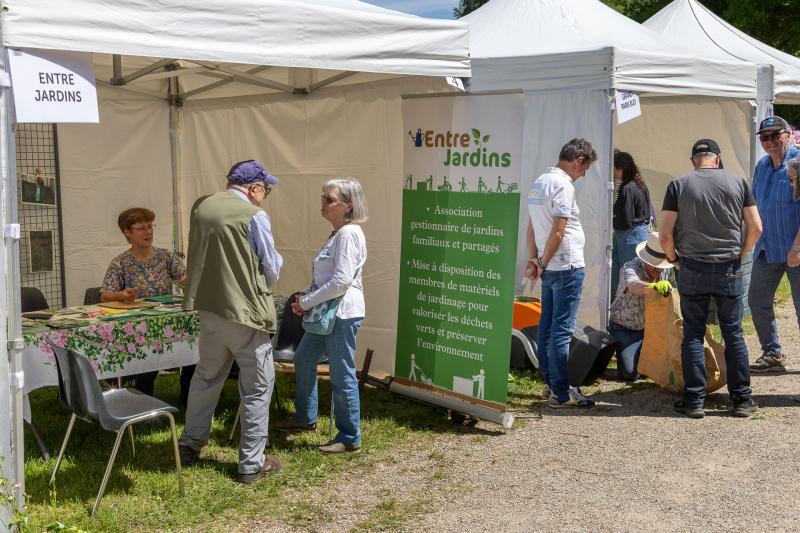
177	454
63	447
133	444
110	465
235	421
39	440
330	424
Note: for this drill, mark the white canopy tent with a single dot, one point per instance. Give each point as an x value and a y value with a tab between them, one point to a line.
310	87
570	58
696	27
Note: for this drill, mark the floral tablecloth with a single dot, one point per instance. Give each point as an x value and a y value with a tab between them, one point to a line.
116	348
121	347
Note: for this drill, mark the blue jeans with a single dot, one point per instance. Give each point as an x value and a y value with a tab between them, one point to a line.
625	242
628	351
340	347
561	295
699	282
763	283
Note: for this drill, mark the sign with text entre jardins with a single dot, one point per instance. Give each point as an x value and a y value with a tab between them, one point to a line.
458	249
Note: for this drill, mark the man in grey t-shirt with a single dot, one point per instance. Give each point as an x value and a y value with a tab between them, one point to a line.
707	209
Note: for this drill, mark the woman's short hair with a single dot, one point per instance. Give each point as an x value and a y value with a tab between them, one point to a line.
794	164
134	215
350	191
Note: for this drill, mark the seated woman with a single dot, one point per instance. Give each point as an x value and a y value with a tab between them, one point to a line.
142	271
648	271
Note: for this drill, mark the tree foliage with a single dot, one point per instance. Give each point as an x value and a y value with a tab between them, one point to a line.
467	6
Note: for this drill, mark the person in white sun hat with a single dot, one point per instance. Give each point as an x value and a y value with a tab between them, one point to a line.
648	271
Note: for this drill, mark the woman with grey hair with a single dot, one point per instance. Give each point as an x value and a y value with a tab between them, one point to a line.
793	170
336	274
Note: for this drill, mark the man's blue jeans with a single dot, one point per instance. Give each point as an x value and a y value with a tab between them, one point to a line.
340	346
561	295
698	283
764	282
629	350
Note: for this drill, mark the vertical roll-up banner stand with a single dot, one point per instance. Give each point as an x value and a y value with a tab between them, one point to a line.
460	222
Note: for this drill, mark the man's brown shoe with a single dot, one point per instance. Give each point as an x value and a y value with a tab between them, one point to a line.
188	455
769	363
339	447
290	425
270	466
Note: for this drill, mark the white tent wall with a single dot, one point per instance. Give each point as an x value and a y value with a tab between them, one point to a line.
661	139
552	119
305	141
121	162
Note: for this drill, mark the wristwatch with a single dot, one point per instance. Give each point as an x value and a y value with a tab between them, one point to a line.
540	264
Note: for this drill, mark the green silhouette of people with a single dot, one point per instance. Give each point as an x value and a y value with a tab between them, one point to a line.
445	186
409	183
499	184
429	183
482	185
463	185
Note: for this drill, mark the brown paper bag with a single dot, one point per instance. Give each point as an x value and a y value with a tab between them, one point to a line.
660	359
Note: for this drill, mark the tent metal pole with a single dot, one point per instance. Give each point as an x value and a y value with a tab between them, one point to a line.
12	296
175	135
611	93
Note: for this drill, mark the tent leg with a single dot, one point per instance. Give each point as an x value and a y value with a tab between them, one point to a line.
175	135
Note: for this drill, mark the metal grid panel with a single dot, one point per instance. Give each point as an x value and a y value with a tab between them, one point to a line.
39	210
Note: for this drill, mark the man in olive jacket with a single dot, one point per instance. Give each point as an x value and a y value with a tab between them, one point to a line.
232	263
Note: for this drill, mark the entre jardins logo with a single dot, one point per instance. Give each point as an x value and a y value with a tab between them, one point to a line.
462	149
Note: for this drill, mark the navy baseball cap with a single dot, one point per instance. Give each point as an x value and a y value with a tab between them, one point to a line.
773	124
706	146
248	172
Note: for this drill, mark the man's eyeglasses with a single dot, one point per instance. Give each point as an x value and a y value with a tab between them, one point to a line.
266	188
147	227
772	137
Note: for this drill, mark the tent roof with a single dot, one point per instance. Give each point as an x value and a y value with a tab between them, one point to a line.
692	24
338	35
546	45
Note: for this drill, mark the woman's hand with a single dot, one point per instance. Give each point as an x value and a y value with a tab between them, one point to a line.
296	309
127	295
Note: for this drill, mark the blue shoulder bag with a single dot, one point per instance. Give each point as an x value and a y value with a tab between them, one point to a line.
321	318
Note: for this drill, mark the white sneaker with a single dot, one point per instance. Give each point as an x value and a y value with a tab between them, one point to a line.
576	399
546	392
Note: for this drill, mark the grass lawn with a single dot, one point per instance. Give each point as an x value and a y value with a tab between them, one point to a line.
142	495
782	295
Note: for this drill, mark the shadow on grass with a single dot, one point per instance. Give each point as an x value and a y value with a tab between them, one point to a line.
90	446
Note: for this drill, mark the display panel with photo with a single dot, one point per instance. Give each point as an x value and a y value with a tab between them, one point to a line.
38	189
40	246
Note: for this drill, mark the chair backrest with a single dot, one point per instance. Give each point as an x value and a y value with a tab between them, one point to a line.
32	299
290	333
78	387
92	296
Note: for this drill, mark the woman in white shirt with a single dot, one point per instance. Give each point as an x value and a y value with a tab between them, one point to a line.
336	273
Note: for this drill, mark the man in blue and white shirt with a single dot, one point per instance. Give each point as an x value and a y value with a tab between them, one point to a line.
778	251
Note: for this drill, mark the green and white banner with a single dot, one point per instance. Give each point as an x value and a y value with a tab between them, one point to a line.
459	244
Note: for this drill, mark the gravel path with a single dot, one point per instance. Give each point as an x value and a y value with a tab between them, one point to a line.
627	465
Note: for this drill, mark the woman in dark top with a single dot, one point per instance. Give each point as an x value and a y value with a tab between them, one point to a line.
632	212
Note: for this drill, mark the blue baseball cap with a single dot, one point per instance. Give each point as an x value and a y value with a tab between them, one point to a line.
248	172
773	124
